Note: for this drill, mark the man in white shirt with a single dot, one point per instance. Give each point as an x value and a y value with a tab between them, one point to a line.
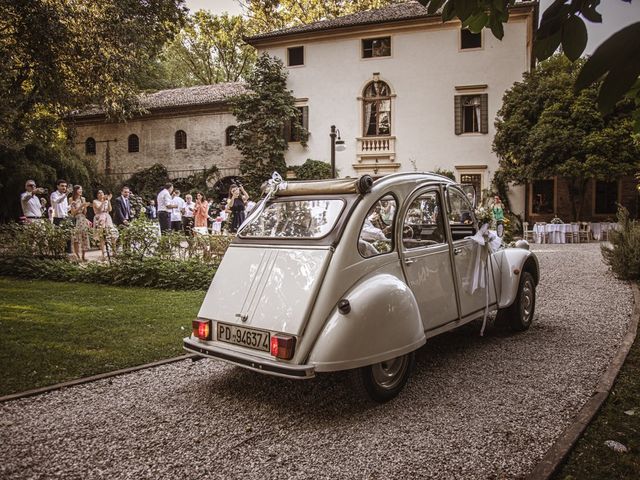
165	204
176	212
188	213
59	202
31	206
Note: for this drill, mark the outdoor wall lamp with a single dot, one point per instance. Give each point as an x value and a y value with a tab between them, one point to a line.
334	133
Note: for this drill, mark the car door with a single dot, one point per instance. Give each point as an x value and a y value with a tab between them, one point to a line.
426	259
473	298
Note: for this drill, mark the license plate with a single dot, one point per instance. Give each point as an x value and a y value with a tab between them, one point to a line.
246	337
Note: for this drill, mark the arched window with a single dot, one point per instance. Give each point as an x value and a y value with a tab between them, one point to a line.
376	102
181	140
90	146
228	135
134	143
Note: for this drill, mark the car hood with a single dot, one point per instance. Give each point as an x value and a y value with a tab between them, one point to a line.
267	288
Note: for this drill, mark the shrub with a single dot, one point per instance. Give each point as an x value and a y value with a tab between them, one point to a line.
146	272
37	239
623	256
313	170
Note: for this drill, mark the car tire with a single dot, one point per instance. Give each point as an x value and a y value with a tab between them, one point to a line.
383	381
520	314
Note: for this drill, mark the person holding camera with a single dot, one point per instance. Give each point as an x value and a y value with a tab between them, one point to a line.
31	206
236	205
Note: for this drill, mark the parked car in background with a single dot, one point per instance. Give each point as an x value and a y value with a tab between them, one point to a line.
356	274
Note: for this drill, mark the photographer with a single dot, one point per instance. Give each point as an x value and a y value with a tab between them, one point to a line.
236	204
31	206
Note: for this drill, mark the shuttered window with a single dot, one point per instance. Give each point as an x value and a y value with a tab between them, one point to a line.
471	113
302	119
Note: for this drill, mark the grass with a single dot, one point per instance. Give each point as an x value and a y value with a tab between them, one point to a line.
591	459
54	331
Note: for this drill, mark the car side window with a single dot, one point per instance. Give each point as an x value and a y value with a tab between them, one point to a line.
423	225
376	234
461	217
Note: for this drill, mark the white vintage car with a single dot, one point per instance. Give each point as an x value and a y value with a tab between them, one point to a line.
356	274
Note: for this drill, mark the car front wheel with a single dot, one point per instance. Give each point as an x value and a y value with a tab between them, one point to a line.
383	381
520	314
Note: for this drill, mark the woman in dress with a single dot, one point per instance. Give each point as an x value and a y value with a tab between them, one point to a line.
103	224
498	215
237	199
78	211
202	211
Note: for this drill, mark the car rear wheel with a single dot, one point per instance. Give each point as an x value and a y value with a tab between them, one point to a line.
520	314
383	381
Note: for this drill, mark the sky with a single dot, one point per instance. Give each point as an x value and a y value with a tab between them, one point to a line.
615	14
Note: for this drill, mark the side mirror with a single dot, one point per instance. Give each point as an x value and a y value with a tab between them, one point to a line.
470	191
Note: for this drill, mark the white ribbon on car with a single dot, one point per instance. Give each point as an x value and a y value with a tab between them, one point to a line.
486	242
273	185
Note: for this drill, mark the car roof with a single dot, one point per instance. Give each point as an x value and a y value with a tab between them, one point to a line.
410	177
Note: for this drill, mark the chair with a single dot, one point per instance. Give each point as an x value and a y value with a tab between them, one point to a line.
584	234
573	234
526	233
543	232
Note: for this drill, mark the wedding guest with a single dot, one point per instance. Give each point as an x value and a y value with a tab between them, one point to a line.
176	211
104	229
202	211
151	211
498	215
188	210
165	205
59	202
43	208
31	204
122	208
236	205
78	211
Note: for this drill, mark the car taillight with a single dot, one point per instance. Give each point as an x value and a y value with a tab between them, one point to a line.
201	329
282	346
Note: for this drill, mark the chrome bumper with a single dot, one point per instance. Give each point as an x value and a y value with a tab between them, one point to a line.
298	372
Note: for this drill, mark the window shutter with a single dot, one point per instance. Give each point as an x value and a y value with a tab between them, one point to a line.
305	117
286	131
484	113
457	108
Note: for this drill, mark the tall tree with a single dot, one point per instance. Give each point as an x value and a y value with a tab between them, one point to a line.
267	15
562	24
544	129
58	55
262	114
210	49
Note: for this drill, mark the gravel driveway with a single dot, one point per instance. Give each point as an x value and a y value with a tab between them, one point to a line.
485	408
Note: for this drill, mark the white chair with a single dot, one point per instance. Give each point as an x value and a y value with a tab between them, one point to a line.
526	233
584	234
572	235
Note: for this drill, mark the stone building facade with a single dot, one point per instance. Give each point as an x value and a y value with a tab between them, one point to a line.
185	129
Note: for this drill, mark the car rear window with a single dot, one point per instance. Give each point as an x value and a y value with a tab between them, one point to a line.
295	219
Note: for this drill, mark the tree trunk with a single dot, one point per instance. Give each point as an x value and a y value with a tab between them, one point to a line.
577	188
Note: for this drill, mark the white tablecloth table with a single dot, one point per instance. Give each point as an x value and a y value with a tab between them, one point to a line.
554	232
597	229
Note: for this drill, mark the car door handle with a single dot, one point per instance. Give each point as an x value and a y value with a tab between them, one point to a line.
409	261
456	251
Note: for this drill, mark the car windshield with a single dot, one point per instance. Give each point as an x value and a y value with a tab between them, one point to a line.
295	219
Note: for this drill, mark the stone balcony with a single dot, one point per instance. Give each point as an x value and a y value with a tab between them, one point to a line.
376	155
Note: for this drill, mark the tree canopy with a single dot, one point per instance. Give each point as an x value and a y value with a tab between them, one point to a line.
545	129
562	24
209	49
262	114
57	55
267	15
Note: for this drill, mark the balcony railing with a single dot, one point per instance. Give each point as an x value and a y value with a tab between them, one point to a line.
374	146
376	155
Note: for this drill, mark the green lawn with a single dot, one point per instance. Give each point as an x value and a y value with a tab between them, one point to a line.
51	332
591	459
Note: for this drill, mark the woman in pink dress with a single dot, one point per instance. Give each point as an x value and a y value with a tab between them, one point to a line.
104	230
202	211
